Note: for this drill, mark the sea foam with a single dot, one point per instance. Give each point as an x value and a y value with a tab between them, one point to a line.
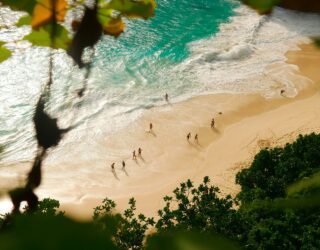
237	59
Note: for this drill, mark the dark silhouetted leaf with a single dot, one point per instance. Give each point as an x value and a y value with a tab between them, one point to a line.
48	133
87	35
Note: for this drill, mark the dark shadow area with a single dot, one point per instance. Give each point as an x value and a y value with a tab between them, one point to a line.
115	174
216	130
136	161
125	171
142	159
152	133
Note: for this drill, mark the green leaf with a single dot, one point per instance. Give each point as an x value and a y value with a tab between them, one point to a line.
25	20
181	240
21	5
312	182
4	53
42	37
39	38
262	6
141	9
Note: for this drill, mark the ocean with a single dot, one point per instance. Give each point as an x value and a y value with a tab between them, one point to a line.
190	48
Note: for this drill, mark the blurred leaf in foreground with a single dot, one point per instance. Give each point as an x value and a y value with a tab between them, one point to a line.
262	6
52	232
181	240
4	53
307	183
22	5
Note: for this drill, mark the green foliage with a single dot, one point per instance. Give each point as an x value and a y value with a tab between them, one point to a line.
274	169
182	240
48	207
127	229
52	232
312	182
198	208
24	20
266	225
4	53
21	5
129	8
262	6
42	37
196	217
46	16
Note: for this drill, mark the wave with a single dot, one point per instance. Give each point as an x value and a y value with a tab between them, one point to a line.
237	59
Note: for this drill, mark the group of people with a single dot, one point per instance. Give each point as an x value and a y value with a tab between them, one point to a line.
134	155
113	165
196	137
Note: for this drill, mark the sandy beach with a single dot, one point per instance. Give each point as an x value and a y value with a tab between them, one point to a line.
243	125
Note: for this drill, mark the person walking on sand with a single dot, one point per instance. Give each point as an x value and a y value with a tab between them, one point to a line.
123	165
196	139
166	97
112	166
150	127
188	136
134	157
212	123
140	152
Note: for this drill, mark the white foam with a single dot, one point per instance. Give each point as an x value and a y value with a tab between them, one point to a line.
236	59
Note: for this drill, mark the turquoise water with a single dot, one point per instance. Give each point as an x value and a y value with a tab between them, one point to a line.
131	74
167	35
149	45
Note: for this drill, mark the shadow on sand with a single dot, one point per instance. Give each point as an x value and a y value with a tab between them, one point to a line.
125	171
115	174
216	130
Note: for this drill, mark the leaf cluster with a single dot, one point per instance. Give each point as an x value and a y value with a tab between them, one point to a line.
201	208
273	170
47	19
128	229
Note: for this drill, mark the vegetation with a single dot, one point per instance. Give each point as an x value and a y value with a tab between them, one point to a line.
273	170
279	214
277	208
88	21
128	230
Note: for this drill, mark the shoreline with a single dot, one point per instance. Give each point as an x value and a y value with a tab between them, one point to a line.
166	165
247	123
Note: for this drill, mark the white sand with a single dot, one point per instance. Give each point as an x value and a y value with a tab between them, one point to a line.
247	124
